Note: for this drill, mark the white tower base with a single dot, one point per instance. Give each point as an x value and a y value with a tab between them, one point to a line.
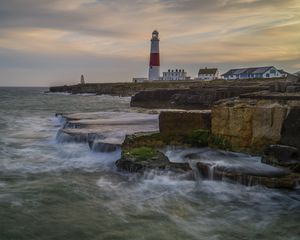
154	73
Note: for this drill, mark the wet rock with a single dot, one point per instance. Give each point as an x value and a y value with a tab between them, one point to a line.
273	180
284	156
290	133
104	131
241	168
144	158
66	136
99	146
183	122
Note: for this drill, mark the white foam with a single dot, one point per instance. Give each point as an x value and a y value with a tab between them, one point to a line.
58	93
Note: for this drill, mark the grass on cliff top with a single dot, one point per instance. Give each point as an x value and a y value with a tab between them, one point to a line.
142	153
198	138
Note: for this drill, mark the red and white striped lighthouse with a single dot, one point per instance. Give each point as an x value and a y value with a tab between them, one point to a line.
154	66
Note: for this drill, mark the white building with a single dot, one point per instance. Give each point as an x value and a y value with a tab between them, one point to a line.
250	73
208	74
178	74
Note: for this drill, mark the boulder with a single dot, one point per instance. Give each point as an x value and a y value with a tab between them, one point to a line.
284	156
145	158
290	133
183	122
143	139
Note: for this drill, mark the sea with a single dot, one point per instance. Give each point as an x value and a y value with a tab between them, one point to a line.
64	191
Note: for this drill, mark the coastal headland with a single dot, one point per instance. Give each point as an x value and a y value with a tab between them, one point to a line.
257	117
130	88
172	94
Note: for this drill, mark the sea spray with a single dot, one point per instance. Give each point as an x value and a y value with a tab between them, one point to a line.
52	190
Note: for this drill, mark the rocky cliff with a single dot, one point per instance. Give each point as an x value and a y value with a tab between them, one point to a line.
195	98
250	124
184	122
129	88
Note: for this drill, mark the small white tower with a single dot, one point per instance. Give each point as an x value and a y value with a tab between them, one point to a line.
82	80
154	66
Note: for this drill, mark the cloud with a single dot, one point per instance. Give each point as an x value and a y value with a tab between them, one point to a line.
36	34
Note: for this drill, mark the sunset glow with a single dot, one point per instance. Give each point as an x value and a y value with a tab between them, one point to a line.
52	42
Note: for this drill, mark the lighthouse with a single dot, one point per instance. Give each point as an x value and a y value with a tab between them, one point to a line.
154	65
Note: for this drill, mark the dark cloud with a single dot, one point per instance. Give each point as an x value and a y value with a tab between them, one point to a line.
42	14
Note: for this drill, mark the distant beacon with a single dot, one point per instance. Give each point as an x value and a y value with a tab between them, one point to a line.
82	80
154	66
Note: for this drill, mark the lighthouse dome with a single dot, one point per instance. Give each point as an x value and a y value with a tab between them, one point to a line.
155	34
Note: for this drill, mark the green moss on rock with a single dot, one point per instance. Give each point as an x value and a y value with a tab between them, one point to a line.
142	153
146	158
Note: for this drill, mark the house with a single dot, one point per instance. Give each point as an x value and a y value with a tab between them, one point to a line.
256	72
178	74
208	74
283	73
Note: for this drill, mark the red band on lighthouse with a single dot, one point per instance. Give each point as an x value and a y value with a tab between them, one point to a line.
154	59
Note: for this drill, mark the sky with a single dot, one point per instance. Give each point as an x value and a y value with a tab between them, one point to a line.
53	42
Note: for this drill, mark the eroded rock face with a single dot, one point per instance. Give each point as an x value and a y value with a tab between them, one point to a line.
249	125
159	98
193	98
290	134
183	122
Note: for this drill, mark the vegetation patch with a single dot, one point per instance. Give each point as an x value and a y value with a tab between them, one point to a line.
142	153
219	142
198	138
